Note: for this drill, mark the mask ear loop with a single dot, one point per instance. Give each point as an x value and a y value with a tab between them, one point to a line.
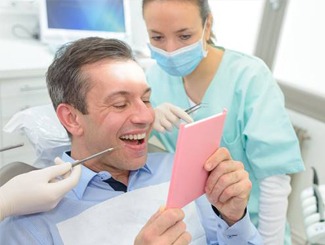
204	42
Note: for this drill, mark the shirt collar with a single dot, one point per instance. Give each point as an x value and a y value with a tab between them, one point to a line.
87	175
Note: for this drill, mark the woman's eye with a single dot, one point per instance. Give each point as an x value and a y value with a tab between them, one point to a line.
157	38
185	37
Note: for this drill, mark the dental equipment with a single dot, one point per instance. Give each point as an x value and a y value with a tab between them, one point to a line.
313	211
193	108
93	156
318	196
11	147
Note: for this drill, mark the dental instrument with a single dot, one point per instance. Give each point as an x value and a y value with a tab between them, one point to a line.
313	211
11	147
193	108
318	196
93	156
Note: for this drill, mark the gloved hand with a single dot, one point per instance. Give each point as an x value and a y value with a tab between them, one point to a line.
35	191
168	115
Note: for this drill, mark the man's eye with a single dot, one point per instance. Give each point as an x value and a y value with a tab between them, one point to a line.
119	106
146	101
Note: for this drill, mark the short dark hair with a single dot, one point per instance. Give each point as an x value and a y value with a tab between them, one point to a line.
65	81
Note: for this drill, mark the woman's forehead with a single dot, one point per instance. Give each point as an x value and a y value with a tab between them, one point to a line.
171	8
176	14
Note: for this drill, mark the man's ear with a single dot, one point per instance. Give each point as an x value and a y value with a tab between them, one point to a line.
69	117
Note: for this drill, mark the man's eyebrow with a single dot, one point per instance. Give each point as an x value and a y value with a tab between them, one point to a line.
124	94
116	94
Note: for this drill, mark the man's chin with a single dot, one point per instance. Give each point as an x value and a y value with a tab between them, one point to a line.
137	163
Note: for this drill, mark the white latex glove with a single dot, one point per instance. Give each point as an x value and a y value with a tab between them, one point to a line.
36	191
168	115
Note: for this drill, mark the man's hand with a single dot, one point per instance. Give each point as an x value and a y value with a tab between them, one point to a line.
228	186
164	227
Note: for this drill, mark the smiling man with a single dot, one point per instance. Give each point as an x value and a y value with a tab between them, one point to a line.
102	99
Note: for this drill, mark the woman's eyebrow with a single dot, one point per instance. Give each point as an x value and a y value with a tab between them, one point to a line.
182	30
154	32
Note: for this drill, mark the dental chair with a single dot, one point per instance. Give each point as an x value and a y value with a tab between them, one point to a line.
313	207
46	134
12	169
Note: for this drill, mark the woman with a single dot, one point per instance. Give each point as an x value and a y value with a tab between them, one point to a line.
36	191
191	69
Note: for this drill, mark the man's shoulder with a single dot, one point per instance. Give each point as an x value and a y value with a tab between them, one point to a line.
41	226
24	229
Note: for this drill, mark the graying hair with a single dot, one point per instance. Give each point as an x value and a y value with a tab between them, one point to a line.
65	81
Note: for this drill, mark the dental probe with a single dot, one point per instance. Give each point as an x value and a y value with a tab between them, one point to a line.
193	108
75	163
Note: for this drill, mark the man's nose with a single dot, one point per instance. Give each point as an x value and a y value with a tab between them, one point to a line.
143	114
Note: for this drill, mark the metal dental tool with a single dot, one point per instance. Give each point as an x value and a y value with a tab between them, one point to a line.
193	108
93	156
11	147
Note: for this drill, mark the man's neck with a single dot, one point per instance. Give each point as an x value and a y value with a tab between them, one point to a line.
117	174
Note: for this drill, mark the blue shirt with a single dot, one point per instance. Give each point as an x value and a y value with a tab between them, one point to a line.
91	190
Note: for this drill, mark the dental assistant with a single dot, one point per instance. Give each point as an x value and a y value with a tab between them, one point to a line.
191	69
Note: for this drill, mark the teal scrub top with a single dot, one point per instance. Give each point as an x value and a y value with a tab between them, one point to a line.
257	131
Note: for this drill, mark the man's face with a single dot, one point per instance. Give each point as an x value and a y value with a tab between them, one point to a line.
119	115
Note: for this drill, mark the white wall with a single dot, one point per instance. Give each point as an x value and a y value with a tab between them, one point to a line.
14	14
299	60
236	23
139	32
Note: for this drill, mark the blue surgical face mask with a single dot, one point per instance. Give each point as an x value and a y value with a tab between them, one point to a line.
180	62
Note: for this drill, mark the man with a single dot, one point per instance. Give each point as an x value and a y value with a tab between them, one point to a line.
101	97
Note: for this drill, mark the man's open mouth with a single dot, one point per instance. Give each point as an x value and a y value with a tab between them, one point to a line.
134	139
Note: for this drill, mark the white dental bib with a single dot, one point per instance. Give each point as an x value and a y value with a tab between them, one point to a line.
120	219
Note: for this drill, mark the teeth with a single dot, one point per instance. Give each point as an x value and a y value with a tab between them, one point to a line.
134	136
